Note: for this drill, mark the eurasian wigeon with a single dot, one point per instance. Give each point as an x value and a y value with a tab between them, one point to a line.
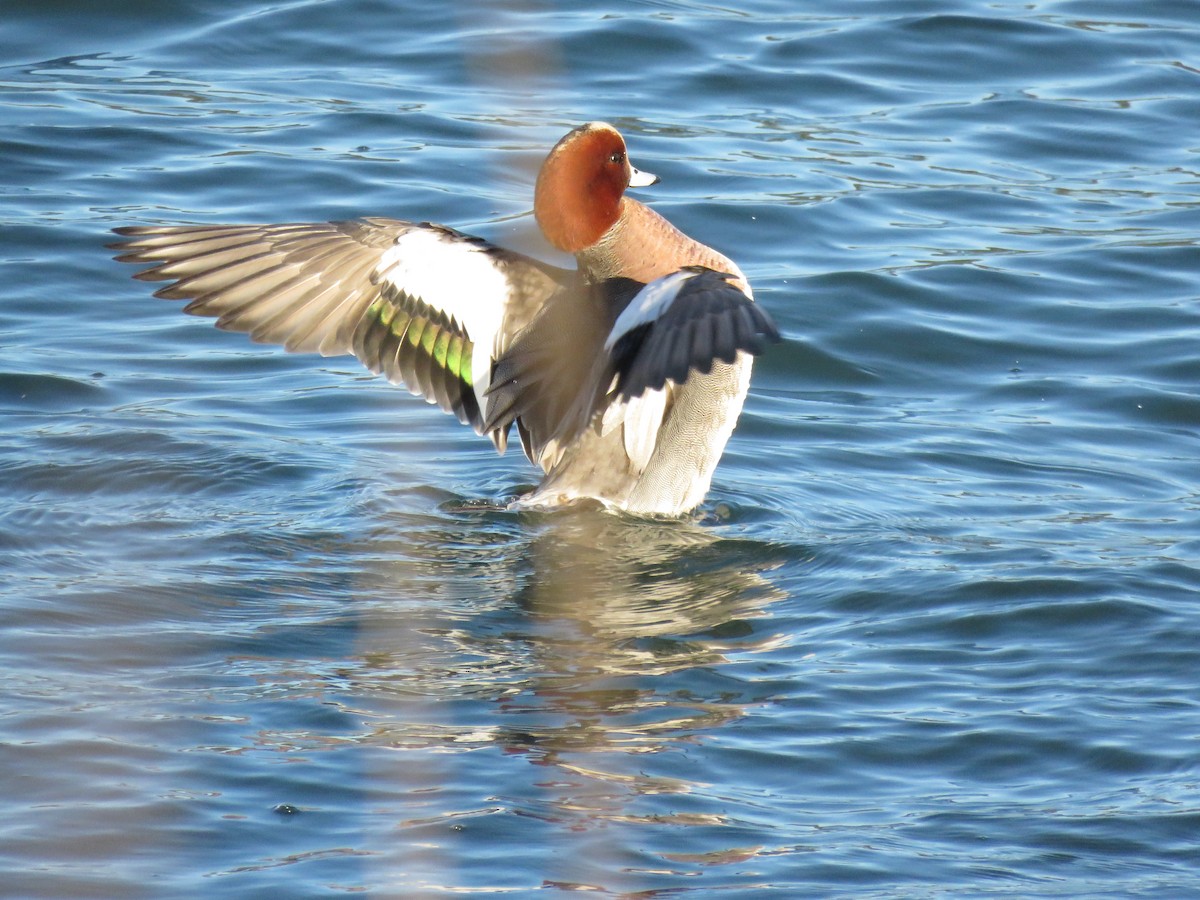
625	377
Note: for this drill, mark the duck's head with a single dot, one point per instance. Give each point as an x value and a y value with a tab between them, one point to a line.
580	186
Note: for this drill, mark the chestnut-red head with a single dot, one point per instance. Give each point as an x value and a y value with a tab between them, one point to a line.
580	186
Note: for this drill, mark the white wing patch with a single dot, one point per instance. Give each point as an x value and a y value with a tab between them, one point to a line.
460	279
647	305
655	299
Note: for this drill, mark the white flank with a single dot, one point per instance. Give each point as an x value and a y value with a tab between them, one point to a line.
460	280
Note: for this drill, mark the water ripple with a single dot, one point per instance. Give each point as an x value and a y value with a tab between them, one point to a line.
271	629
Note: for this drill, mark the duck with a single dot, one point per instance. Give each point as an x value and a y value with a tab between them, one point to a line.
624	377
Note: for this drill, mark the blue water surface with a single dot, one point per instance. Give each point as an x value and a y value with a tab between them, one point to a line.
266	630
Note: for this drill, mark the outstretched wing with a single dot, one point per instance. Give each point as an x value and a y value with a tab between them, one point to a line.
676	328
428	306
681	323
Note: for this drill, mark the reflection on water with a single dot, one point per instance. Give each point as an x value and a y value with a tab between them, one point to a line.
257	645
585	642
568	617
614	606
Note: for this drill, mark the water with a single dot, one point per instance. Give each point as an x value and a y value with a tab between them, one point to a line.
935	633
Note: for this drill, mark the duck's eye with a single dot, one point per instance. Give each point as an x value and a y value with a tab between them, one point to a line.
617	158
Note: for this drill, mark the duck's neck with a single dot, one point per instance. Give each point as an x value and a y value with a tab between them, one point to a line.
643	245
